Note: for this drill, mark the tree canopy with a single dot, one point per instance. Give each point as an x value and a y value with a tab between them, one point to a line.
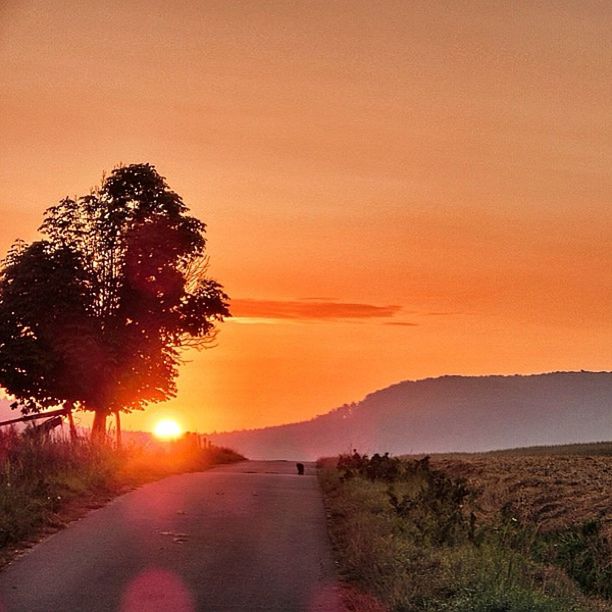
98	311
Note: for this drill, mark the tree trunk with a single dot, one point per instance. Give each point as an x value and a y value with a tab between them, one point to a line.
98	429
73	431
118	428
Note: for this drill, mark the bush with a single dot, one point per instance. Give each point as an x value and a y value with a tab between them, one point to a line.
436	512
379	467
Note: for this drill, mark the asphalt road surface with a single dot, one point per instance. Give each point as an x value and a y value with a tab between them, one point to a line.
250	537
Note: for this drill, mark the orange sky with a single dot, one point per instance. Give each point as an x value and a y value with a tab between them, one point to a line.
392	189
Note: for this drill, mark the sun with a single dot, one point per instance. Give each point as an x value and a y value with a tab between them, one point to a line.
167	429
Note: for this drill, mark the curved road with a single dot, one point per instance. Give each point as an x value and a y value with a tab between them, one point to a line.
248	536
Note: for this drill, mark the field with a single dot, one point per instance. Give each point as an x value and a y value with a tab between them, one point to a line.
553	492
512	532
591	449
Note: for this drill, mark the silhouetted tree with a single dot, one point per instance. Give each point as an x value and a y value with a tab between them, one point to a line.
97	312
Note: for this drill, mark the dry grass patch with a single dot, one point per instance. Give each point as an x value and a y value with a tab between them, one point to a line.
553	492
45	482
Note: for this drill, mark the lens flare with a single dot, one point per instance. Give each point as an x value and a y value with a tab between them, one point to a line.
167	429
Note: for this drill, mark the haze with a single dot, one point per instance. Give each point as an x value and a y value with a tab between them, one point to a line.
392	190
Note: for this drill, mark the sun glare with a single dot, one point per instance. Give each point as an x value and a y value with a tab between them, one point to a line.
167	429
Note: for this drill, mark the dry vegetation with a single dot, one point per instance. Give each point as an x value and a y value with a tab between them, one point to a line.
490	532
46	481
554	492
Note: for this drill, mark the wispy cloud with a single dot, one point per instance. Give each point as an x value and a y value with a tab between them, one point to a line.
309	310
317	299
402	323
443	314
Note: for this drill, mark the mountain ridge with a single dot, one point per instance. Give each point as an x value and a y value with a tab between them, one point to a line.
450	413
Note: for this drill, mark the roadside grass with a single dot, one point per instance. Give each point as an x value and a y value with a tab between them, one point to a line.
45	481
407	534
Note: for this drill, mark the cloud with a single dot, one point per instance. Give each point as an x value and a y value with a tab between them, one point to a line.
443	314
318	299
403	323
309	310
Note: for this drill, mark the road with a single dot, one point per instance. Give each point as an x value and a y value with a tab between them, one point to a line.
248	536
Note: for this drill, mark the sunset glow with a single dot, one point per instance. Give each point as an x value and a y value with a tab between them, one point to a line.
392	190
167	429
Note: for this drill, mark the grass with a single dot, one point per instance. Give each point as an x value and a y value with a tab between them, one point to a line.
46	481
408	535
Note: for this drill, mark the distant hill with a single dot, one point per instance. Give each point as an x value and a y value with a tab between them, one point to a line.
447	414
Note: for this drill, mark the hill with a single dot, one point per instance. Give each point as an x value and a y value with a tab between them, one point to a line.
447	414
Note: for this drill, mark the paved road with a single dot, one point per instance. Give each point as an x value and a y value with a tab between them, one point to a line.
245	537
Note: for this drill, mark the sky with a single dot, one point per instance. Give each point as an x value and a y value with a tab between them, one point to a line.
393	190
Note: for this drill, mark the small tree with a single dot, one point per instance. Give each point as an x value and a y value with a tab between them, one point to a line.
97	312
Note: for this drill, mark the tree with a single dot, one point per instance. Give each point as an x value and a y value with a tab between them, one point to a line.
97	312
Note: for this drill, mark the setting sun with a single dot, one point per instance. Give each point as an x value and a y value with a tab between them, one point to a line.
167	429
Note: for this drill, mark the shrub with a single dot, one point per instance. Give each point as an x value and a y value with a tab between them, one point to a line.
437	510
